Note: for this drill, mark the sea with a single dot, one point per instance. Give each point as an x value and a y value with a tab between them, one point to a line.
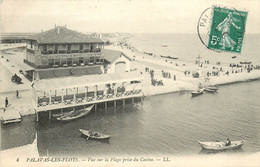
168	124
187	47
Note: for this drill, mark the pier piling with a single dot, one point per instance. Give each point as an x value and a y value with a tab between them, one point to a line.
37	116
115	104
50	115
105	105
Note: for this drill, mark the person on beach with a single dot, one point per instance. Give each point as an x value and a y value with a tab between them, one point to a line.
174	77
17	93
6	102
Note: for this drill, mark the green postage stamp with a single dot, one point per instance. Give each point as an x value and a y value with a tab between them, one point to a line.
227	29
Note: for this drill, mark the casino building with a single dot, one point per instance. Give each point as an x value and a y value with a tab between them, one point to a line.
61	52
72	70
63	47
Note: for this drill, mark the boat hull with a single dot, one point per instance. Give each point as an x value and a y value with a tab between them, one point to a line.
100	137
197	93
210	90
220	146
169	57
76	114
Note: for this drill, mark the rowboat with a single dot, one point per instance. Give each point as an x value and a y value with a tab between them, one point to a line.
75	114
210	90
94	135
245	62
220	146
169	57
63	114
212	87
196	93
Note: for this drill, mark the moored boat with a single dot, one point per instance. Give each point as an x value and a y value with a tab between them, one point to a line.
220	146
210	90
212	87
62	114
94	135
148	53
75	114
196	93
245	62
170	57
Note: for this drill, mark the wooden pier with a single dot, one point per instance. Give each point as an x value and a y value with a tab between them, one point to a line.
74	104
75	92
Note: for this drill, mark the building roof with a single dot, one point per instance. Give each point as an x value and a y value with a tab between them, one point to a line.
86	80
113	55
61	34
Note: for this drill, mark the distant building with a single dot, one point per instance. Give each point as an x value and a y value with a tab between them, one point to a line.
96	35
63	47
11	38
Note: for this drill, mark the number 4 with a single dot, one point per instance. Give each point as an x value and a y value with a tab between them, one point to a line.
214	40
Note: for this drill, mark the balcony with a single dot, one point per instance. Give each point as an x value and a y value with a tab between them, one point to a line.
97	50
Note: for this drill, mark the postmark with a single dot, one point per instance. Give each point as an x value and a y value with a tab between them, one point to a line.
222	29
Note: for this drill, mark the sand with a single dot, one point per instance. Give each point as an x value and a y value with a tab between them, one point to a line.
140	62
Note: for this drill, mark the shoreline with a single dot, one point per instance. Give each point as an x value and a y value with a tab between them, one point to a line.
189	83
140	61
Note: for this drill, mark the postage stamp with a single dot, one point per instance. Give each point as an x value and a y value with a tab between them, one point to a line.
227	29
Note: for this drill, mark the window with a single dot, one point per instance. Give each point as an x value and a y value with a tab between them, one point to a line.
57	62
51	62
69	61
81	47
44	47
91	48
55	49
69	46
81	60
31	44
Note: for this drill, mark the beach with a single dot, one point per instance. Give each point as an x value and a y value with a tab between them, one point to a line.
143	59
169	75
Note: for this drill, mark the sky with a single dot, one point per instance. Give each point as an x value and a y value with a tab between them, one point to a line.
131	16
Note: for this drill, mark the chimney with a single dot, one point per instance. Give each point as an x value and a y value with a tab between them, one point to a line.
58	30
41	30
65	25
55	25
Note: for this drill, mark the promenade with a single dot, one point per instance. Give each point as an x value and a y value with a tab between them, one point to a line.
179	68
176	81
